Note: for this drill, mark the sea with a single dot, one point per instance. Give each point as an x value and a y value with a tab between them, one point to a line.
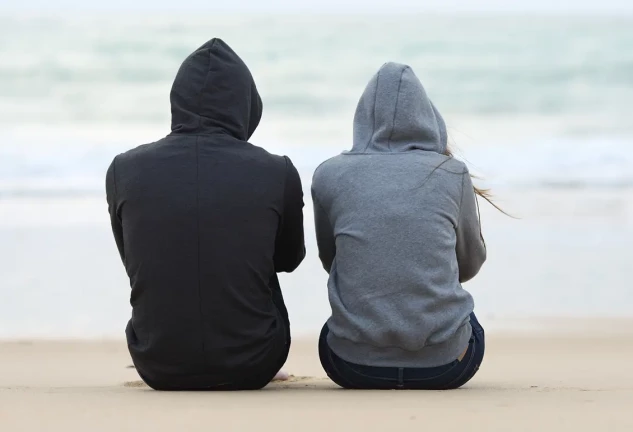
539	106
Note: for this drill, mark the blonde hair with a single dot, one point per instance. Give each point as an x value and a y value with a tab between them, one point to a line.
484	193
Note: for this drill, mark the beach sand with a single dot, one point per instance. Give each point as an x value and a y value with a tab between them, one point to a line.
569	375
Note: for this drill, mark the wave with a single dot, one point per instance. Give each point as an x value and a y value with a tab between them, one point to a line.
77	169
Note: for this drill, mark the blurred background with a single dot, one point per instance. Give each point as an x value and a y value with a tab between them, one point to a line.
537	97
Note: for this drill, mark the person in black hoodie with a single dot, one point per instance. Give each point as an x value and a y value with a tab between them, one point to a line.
204	221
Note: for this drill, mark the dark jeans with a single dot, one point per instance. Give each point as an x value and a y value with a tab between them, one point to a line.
255	378
451	376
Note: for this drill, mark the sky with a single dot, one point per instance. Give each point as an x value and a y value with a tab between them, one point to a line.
555	6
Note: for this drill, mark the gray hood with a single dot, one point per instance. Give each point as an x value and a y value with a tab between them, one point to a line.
396	115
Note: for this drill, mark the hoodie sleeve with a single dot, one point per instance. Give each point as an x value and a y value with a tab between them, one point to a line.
324	234
115	221
290	245
471	247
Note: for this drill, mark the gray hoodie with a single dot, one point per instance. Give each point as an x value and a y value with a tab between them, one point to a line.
398	231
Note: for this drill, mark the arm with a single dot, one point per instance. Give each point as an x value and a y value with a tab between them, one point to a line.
324	234
471	247
115	220
290	245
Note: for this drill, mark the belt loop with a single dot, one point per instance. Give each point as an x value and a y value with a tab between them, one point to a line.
400	378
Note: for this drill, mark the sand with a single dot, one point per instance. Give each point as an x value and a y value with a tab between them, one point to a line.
577	378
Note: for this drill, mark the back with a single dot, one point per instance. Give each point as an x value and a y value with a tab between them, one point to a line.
203	221
394	281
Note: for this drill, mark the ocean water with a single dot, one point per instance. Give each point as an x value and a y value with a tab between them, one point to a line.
547	96
538	106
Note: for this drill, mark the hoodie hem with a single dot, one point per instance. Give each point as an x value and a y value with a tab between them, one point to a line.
430	356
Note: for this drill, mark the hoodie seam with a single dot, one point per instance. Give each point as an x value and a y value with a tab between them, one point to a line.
116	193
373	126
204	85
283	196
461	199
395	111
198	249
318	203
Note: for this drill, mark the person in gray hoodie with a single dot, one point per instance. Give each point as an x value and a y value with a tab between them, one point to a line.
398	231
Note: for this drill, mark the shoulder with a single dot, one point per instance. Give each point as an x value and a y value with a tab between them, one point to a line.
448	165
131	155
273	166
445	174
263	156
121	160
328	168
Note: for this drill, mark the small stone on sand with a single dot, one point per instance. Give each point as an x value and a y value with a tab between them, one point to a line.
281	376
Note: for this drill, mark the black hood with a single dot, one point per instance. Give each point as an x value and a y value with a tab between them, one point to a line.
214	91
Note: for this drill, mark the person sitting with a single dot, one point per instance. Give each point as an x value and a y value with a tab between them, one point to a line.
204	221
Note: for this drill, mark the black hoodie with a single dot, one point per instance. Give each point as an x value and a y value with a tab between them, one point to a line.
203	221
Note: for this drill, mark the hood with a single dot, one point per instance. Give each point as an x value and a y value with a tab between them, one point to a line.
395	115
215	92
